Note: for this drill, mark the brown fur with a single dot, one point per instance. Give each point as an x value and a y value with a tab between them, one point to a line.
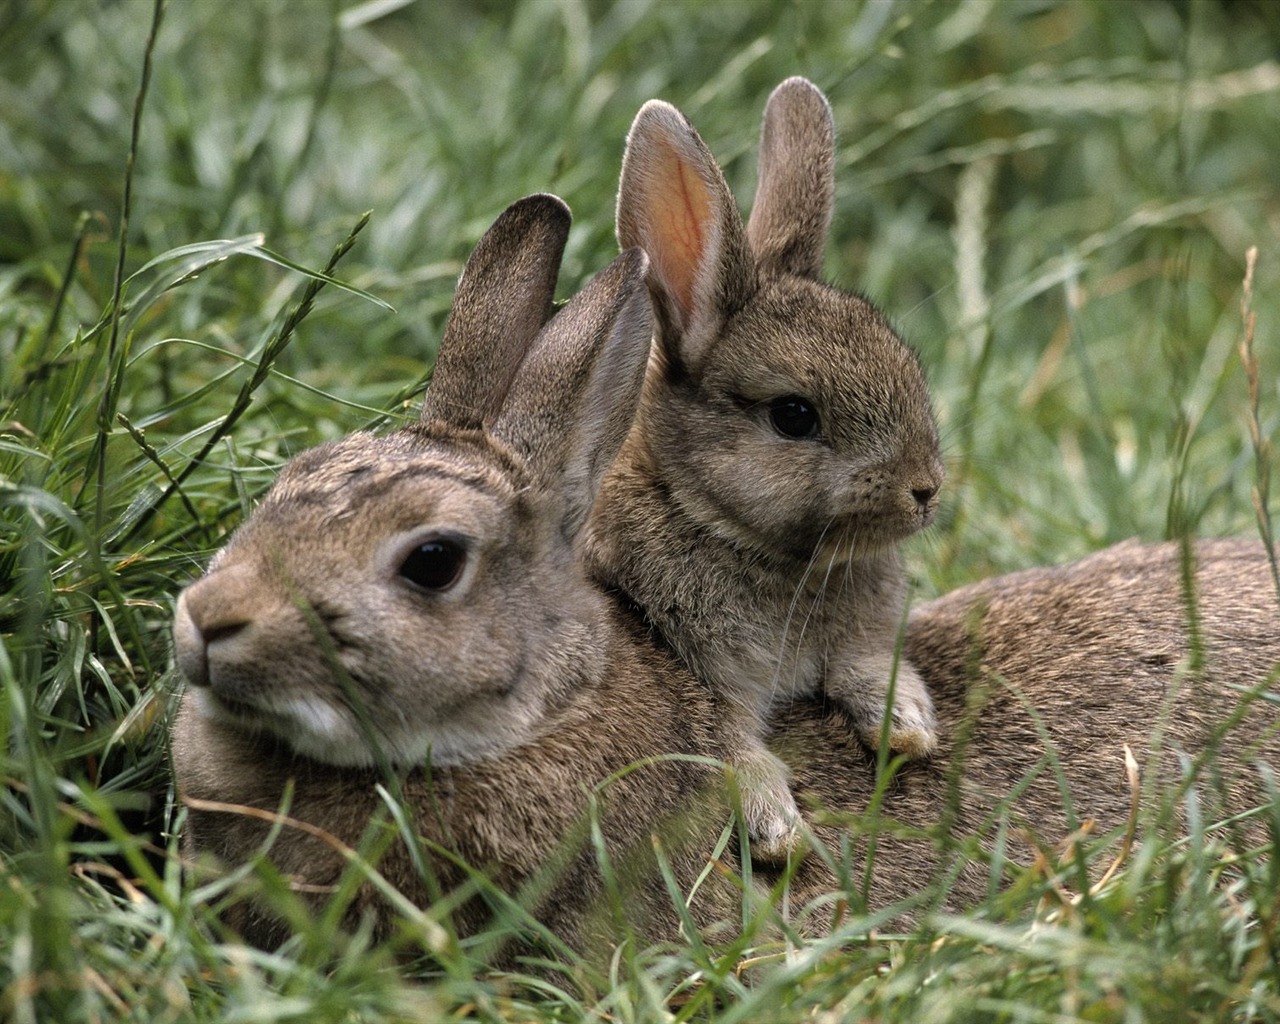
512	816
535	692
532	689
1094	653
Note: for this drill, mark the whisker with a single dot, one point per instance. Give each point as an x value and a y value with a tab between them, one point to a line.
817	599
791	610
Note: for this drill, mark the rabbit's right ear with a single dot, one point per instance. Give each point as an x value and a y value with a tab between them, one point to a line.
792	212
503	298
674	204
572	403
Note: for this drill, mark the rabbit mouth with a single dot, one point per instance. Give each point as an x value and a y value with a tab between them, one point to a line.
308	726
861	536
247	715
240	714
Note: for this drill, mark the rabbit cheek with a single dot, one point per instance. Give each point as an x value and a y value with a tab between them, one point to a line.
290	700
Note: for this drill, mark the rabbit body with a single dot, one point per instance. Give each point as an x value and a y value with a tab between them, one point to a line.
414	605
518	816
784	445
1078	660
1074	663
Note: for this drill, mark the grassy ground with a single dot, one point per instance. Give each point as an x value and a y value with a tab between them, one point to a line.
1053	200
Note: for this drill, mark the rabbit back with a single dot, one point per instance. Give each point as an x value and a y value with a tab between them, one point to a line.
1040	679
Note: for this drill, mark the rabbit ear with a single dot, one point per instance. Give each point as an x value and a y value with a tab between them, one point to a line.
792	212
575	396
503	298
673	203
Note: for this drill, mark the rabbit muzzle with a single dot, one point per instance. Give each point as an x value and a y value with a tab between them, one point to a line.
235	646
885	506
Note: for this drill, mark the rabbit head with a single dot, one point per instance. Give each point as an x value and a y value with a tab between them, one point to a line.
418	592
810	418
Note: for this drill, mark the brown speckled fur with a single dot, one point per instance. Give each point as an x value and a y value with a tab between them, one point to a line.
1094	654
767	557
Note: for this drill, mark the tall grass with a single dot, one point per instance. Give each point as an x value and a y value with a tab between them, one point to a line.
1053	200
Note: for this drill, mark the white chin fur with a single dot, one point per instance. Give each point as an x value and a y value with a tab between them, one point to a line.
323	733
309	725
316	729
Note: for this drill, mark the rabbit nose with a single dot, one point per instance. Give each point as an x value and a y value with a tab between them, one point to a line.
211	609
924	496
189	648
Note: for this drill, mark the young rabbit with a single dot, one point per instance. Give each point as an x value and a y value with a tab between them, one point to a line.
784	445
415	597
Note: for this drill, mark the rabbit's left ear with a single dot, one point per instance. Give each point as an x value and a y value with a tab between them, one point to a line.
674	204
503	298
792	212
572	403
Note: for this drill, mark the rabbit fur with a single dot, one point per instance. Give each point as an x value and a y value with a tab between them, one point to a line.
311	623
513	704
784	445
1076	661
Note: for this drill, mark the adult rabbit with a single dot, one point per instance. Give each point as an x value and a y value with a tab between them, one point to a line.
414	599
293	637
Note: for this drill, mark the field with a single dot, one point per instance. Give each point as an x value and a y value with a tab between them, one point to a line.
231	231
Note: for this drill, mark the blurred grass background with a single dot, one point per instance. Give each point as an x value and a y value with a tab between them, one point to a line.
1053	200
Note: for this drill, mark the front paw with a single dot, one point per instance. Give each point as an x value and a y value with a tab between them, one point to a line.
768	809
913	729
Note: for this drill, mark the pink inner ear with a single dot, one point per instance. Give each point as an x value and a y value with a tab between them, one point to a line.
680	214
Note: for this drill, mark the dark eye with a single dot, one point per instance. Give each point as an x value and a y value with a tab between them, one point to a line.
435	565
792	416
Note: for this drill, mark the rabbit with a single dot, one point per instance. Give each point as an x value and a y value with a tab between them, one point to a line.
1040	678
784	445
416	599
1075	661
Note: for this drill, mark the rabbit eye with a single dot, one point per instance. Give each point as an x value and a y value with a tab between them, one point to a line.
435	565
792	416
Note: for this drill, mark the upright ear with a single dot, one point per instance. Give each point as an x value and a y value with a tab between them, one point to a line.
792	212
575	396
503	298
674	204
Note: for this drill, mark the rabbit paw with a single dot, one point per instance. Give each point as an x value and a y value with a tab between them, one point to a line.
913	730
768	808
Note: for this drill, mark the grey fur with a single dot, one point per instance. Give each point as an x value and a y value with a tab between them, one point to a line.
305	629
532	688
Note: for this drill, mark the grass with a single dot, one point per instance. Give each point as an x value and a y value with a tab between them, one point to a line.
1053	200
